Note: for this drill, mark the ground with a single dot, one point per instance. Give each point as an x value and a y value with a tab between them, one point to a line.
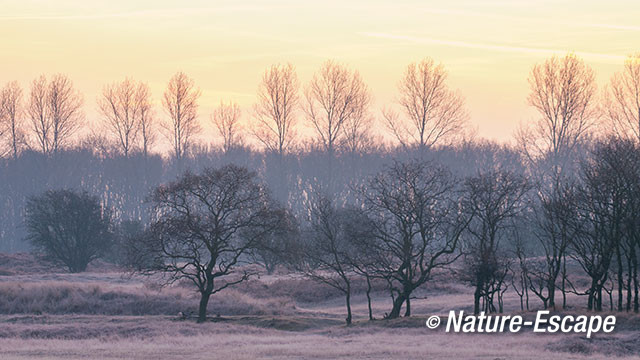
102	314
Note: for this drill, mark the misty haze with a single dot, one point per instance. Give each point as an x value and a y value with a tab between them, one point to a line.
321	215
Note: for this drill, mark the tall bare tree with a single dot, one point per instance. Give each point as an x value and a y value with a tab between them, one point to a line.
65	110
563	91
180	101
146	118
622	100
226	118
120	107
38	113
433	111
11	116
334	96
275	110
55	109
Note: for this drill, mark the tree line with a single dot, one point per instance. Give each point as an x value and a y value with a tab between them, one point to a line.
501	217
410	220
335	104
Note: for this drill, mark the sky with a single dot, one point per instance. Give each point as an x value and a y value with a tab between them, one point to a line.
488	47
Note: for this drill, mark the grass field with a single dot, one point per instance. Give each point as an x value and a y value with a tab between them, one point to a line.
104	315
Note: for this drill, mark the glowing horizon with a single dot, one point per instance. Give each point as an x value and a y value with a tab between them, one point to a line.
488	49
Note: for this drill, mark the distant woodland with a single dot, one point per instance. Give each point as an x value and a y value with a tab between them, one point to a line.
410	177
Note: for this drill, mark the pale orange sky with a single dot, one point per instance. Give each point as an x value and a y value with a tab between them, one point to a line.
488	47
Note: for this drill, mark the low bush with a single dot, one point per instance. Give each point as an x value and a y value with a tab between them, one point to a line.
69	298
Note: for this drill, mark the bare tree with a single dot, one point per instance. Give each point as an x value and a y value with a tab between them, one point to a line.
519	279
38	113
622	100
120	107
554	217
326	251
417	226
493	198
55	109
357	134
70	228
275	110
359	231
563	91
65	110
180	101
629	151
11	116
335	96
615	170
146	118
226	118
204	228
280	245
603	206
433	112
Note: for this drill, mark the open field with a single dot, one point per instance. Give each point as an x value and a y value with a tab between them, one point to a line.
104	315
160	337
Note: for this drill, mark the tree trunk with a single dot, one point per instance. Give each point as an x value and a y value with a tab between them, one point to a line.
591	298
521	300
270	267
202	310
620	278
407	311
564	279
476	300
491	306
369	298
629	280
348	296
635	281
397	306
526	293
552	293
77	266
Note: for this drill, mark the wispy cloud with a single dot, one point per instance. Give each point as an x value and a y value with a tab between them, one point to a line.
245	57
499	16
601	57
612	26
152	13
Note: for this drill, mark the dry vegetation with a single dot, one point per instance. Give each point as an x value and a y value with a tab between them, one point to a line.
103	314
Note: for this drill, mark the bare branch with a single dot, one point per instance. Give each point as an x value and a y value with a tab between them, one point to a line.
433	112
275	110
334	97
180	102
226	118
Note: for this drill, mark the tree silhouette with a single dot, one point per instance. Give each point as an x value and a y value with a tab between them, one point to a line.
206	225
70	228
